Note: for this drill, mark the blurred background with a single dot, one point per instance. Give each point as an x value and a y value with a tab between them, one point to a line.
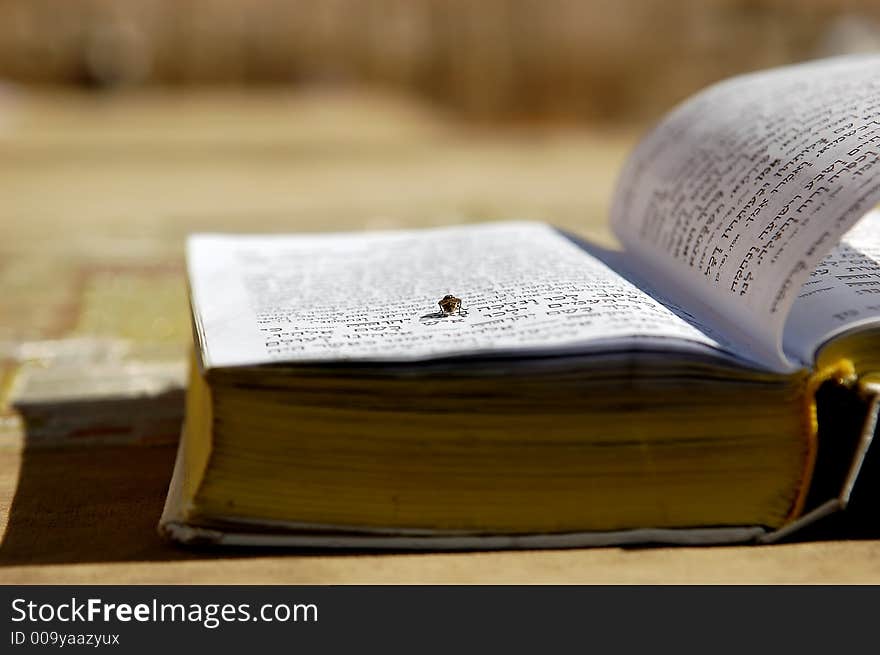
127	124
492	59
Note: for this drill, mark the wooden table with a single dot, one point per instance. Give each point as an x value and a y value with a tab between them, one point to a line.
98	193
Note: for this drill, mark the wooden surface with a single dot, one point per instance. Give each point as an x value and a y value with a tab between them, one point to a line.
98	193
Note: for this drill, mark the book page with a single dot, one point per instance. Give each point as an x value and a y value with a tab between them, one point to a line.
373	296
738	194
843	292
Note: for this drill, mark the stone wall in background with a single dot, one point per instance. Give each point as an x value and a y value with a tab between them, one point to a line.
520	59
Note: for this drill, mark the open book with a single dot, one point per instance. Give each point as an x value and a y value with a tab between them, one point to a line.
665	392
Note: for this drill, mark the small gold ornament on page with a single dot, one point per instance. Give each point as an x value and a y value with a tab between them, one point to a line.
450	305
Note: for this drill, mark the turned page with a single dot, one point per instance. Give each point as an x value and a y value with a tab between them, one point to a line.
734	199
842	292
373	296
